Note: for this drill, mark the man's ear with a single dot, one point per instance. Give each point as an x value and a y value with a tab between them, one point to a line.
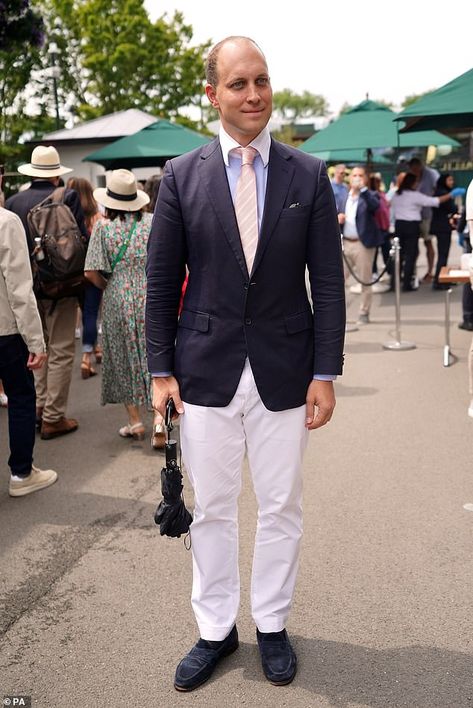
211	95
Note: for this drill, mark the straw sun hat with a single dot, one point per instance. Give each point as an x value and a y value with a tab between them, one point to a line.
44	163
121	192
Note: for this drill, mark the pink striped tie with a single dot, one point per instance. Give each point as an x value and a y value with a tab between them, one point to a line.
246	205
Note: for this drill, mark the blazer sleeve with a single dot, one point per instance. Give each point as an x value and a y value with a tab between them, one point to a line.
165	271
324	262
371	199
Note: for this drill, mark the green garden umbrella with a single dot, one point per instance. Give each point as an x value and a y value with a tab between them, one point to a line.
149	147
368	126
448	108
351	156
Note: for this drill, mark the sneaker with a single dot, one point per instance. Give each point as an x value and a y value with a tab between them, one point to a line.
356	289
381	287
3	400
63	426
363	318
77	333
470	410
37	479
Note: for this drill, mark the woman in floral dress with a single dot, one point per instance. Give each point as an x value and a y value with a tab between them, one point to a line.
116	260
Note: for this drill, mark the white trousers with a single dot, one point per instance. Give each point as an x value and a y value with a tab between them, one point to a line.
213	443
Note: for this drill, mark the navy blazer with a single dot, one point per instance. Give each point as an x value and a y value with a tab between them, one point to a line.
369	233
228	315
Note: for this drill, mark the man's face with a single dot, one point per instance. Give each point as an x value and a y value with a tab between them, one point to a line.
339	173
357	178
243	95
416	169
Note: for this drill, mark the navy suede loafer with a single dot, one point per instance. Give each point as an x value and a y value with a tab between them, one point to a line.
277	657
199	664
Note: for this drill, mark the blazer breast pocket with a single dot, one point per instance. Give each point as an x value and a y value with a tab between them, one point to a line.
295	212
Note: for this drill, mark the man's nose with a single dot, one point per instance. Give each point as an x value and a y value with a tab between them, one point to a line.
253	94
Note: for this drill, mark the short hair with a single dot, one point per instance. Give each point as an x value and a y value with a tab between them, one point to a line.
415	162
211	73
359	167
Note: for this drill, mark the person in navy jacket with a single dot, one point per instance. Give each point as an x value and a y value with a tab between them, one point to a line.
361	235
249	363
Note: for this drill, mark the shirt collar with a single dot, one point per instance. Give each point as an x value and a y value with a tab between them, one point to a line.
262	143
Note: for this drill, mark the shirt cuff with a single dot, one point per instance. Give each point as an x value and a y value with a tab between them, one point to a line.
160	374
324	377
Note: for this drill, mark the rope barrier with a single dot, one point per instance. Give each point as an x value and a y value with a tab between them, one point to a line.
372	282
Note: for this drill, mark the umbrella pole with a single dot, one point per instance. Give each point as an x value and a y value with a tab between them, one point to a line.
398	344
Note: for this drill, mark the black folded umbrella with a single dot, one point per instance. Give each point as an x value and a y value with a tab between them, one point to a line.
171	516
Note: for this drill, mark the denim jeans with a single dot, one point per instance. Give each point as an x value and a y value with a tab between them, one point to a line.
18	382
90	311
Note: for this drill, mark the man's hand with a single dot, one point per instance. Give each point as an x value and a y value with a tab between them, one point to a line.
320	402
341	219
164	388
36	361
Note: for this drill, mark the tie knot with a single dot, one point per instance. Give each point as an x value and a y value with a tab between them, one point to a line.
248	154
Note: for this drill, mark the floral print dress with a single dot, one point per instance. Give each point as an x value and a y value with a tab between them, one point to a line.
125	377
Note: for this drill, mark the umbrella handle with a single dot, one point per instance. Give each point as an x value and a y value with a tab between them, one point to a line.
170	412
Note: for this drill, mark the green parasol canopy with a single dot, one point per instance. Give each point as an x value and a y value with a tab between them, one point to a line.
350	156
367	126
150	147
448	108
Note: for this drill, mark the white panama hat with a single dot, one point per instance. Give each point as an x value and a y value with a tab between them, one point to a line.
44	163
121	192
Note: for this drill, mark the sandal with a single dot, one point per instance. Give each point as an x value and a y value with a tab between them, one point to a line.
86	369
98	352
136	431
158	438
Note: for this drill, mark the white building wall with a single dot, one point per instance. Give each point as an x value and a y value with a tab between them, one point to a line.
72	156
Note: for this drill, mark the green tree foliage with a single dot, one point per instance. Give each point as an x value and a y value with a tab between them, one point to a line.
112	57
21	35
413	98
291	105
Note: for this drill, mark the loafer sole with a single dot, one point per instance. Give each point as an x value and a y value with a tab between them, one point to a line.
283	683
187	689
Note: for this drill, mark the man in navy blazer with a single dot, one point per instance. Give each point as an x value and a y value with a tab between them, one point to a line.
361	235
249	363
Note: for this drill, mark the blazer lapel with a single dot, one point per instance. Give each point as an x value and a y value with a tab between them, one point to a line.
280	176
214	177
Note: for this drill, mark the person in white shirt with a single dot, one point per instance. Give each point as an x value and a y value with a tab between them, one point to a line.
406	207
361	235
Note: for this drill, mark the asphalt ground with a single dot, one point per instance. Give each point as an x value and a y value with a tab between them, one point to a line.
94	604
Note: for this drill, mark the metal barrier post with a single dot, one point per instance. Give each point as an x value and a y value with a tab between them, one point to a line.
398	344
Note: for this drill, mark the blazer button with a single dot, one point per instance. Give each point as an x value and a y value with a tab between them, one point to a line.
245	286
248	321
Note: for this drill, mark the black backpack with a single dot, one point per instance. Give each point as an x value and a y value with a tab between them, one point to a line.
60	273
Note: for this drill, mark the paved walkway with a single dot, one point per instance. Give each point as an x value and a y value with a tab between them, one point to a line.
95	605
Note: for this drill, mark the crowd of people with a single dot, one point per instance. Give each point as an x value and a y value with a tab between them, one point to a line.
420	204
247	356
37	334
115	223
